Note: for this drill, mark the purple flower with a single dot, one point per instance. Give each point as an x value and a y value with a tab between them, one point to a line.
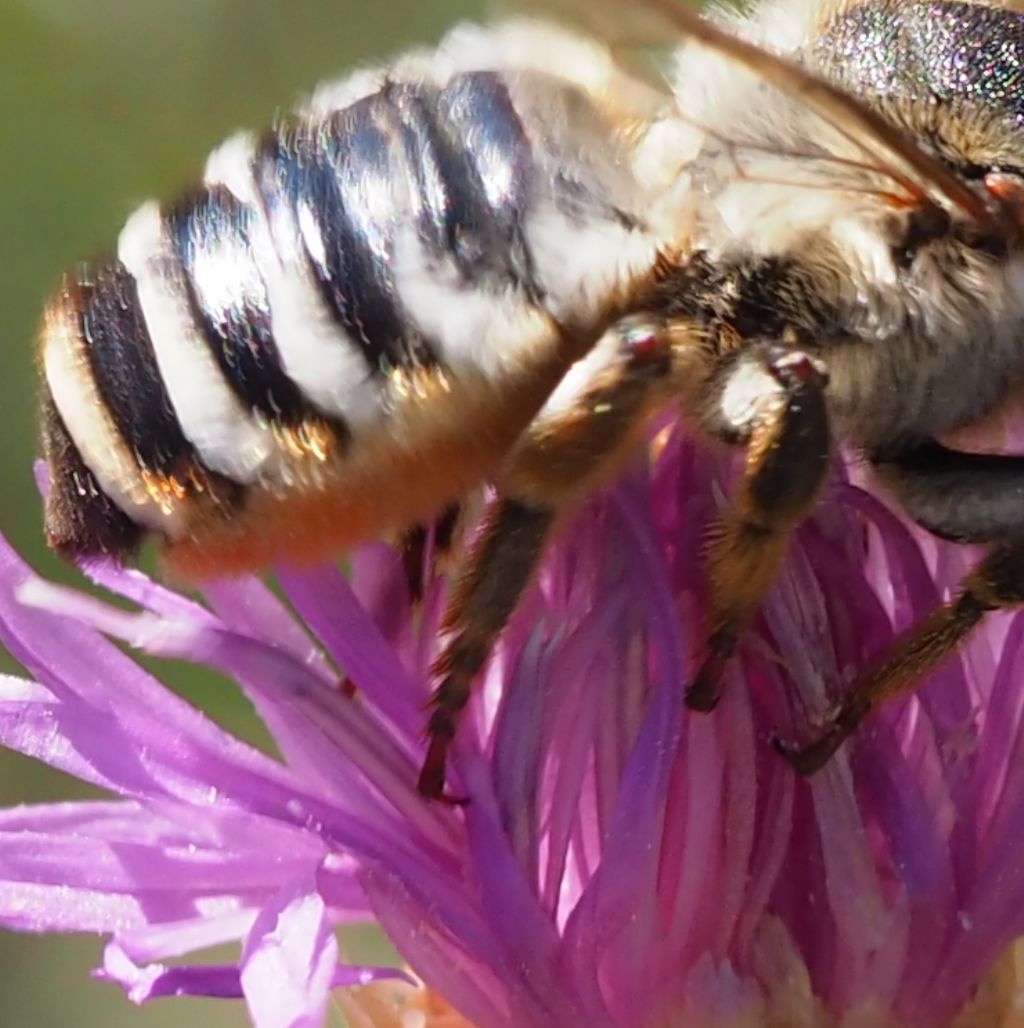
622	862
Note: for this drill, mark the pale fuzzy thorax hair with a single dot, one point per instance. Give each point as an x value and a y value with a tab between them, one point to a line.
765	201
775	171
763	178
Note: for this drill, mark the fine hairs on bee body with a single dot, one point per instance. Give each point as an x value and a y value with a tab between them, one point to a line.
495	261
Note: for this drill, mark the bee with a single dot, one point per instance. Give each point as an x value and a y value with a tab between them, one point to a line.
497	261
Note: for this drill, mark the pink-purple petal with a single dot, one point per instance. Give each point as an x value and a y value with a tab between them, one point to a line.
289	958
621	863
28	907
154	981
327	604
450	963
203	923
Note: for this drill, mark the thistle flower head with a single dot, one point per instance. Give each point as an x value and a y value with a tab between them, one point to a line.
621	862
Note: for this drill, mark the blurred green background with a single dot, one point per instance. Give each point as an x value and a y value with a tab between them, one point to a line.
104	103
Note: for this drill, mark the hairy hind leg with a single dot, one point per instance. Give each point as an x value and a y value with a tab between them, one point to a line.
961	496
597	414
423	545
771	398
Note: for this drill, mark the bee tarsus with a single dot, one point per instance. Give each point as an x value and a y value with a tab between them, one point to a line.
997	583
576	435
772	398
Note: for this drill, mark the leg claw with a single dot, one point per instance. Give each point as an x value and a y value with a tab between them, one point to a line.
806	760
702	696
704	693
431	781
431	787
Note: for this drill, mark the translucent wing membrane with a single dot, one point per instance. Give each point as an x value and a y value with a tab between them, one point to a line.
661	23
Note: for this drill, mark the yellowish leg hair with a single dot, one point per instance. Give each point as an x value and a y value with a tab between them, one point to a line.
787	434
997	583
565	453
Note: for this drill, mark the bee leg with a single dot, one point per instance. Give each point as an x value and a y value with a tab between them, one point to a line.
772	399
422	545
961	496
964	497
420	549
596	414
500	566
997	583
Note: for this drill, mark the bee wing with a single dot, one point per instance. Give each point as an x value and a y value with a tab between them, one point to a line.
658	23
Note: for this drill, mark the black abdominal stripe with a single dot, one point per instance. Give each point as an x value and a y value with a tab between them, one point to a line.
255	330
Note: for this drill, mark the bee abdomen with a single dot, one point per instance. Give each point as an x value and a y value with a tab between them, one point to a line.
81	519
211	237
257	334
